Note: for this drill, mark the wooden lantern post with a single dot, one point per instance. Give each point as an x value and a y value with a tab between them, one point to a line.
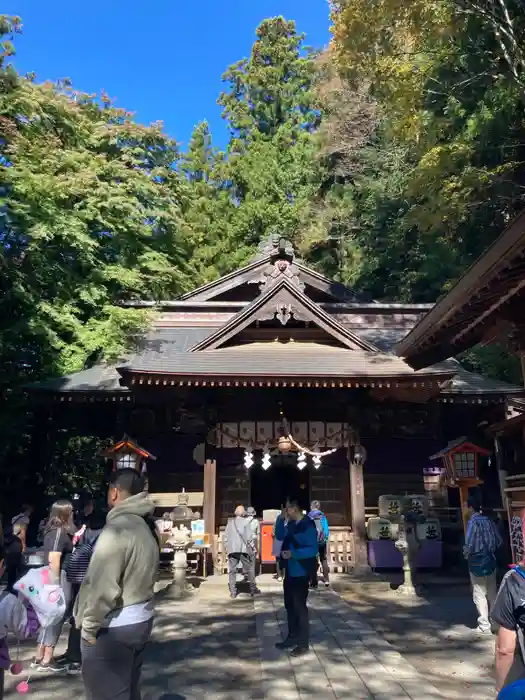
126	454
460	459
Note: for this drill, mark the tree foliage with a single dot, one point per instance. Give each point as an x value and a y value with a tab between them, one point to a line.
444	169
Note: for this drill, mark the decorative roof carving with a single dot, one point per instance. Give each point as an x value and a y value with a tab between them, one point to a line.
282	301
279	269
277	247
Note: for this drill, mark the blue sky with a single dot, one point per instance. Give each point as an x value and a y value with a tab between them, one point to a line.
162	59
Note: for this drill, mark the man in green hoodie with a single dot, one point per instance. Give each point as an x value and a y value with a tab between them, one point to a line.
114	608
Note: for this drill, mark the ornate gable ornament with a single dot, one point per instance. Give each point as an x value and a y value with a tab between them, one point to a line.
283	301
281	264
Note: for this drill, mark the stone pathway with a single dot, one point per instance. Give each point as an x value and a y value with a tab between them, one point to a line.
348	661
436	634
210	647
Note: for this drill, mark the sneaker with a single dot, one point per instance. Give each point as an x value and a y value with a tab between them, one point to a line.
256	591
51	667
286	644
233	595
327	584
74	667
299	651
483	630
35	663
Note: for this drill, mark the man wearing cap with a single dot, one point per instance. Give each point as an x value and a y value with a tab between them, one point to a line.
240	546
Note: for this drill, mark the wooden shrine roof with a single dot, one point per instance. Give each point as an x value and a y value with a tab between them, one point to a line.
275	322
481	307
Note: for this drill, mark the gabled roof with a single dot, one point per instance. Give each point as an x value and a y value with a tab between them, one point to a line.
284	300
462	444
260	268
478	308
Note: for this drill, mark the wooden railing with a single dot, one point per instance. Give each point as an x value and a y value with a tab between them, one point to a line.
340	550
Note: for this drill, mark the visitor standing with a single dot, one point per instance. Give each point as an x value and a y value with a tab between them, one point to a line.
481	542
15	543
58	545
240	548
509	613
20	523
255	526
323	533
114	608
84	542
299	553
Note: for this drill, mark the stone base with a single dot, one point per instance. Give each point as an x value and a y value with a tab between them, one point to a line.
407	591
174	591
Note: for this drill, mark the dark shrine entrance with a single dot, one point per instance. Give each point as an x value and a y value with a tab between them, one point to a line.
281	482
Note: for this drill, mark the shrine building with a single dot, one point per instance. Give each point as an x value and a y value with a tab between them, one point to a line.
485	306
276	383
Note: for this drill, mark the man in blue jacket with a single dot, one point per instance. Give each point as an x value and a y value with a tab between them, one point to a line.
299	554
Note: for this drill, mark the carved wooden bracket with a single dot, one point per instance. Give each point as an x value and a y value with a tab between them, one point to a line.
280	268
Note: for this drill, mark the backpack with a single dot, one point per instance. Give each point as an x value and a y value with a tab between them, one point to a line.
79	559
321	537
482	563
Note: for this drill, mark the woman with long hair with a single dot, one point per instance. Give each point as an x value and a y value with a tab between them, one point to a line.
58	544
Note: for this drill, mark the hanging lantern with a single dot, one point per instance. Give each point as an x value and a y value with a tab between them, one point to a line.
301	460
317	461
460	458
126	454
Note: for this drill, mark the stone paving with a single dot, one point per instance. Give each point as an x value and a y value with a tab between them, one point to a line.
210	647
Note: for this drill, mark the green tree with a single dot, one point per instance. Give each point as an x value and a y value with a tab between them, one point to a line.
448	91
92	215
270	172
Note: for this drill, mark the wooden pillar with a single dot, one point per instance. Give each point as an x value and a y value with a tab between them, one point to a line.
209	504
357	504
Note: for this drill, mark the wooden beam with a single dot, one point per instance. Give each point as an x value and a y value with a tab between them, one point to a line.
512	291
357	504
209	503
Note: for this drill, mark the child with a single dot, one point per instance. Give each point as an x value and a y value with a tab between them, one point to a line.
16	617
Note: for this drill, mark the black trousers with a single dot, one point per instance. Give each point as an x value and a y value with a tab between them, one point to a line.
295	597
112	666
324	565
73	652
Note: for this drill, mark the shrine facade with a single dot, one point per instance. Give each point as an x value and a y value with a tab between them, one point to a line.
276	383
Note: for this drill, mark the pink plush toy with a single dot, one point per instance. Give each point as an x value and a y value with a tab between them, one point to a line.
47	599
